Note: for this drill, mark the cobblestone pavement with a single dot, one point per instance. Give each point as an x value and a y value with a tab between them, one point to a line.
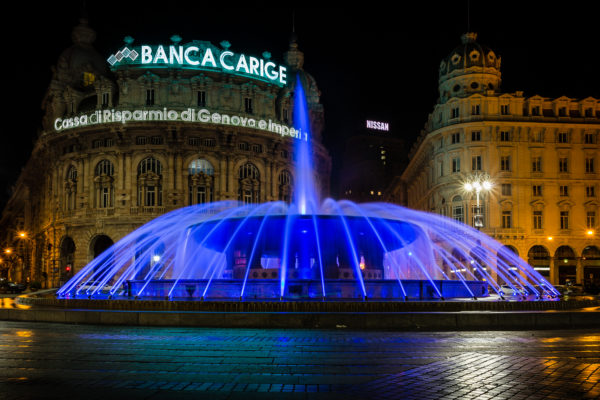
57	361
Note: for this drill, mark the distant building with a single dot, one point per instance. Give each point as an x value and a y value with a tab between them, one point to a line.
541	154
149	130
372	157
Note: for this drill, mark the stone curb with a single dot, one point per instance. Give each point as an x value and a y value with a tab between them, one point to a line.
402	321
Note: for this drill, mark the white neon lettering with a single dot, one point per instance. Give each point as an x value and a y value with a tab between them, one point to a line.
175	54
160	55
204	115
146	54
282	74
270	74
209	58
254	65
186	55
242	64
222	60
57	124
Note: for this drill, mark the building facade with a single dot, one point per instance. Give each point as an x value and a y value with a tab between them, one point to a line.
153	129
540	155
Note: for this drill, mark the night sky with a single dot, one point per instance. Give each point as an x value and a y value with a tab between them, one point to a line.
368	63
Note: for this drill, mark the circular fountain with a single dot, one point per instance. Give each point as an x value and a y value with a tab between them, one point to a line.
334	250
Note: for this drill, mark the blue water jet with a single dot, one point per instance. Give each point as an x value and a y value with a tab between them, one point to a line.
334	250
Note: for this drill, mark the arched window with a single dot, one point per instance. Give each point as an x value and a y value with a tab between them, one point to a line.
285	185
149	176
71	188
200	181
458	209
249	184
104	184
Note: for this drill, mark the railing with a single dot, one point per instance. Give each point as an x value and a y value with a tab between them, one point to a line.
142	210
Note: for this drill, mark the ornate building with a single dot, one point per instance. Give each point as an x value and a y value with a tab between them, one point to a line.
541	156
154	129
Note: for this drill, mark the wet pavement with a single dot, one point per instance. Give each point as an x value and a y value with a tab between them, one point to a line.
58	361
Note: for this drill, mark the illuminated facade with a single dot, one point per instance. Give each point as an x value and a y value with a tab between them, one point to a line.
541	154
153	129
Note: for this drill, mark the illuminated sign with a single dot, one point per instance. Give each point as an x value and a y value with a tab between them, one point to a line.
188	115
380	126
200	55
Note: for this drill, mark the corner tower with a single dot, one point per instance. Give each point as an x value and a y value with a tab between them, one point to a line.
469	68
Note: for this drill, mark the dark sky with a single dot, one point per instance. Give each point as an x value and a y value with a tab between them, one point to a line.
369	63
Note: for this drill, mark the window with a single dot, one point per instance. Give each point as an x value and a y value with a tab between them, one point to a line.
149	97
505	163
141	140
535	110
591	219
589	165
537	220
194	141
156	140
71	189
97	143
476	136
103	184
475	109
243	146
249	184
458	213
200	181
589	138
563	137
504	109
248	105
564	220
506	219
562	112
537	137
456	164
537	190
88	79
590	191
285	189
257	148
455	112
536	164
506	189
201	98
504	136
589	112
564	190
209	142
441	167
284	154
563	164
105	99
149	182
286	114
476	163
456	138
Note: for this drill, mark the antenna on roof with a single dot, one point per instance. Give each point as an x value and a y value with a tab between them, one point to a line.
468	16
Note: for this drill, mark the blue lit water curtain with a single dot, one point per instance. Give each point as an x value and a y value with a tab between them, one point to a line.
306	250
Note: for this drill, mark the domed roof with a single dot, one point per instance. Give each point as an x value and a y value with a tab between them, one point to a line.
469	54
81	56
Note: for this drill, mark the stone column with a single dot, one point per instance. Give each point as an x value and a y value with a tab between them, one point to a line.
553	272
579	272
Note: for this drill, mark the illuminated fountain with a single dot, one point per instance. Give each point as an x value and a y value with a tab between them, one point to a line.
334	250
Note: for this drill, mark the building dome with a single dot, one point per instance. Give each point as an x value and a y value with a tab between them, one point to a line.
81	57
469	68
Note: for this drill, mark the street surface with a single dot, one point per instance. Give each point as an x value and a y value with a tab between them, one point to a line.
61	361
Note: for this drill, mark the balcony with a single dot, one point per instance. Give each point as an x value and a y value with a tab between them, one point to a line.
147	210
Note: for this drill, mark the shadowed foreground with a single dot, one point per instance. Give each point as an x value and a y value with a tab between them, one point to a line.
52	361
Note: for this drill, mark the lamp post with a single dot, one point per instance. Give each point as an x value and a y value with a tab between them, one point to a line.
478	184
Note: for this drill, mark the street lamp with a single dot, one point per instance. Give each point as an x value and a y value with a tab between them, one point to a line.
478	184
